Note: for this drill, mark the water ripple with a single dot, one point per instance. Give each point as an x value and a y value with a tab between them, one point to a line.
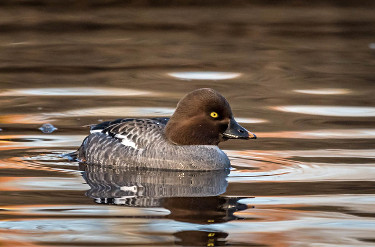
322	134
271	166
205	75
335	111
323	91
74	91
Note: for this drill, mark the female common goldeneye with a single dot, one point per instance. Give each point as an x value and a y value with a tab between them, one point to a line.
186	141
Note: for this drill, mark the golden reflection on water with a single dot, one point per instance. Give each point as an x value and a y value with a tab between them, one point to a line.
12	243
23	119
20	163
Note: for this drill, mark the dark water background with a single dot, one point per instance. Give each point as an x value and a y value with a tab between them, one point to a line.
300	75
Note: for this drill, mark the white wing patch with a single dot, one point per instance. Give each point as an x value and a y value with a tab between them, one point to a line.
95	131
125	141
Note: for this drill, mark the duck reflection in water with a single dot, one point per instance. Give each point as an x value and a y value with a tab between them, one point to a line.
189	196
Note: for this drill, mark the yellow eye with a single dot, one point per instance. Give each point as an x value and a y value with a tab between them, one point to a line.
214	114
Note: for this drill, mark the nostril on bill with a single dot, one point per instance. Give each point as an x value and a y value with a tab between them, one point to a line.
241	131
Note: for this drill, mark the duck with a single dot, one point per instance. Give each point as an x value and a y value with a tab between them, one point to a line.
188	140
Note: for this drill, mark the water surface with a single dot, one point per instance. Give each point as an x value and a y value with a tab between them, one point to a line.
300	77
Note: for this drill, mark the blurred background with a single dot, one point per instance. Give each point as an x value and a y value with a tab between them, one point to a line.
299	74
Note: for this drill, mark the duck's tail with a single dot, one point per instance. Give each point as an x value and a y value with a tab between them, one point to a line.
73	156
